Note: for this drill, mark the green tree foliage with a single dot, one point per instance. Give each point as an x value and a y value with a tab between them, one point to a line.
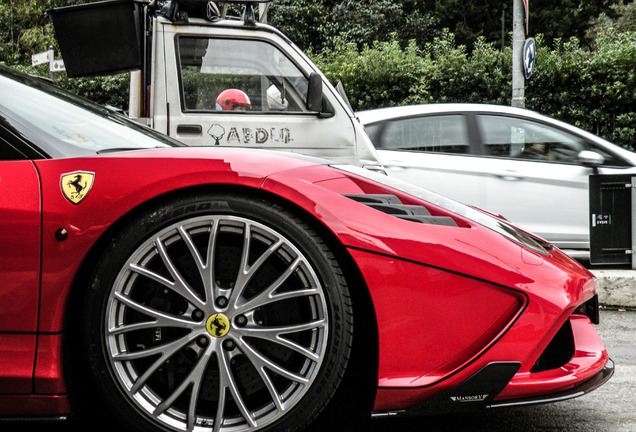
25	29
622	18
302	21
315	25
470	19
380	75
567	18
595	90
384	74
312	24
592	89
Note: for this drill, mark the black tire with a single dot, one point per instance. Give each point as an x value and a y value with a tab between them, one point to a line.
259	339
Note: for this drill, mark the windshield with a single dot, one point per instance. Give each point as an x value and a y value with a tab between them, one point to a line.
61	124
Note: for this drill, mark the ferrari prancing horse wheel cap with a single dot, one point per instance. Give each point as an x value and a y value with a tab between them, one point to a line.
218	325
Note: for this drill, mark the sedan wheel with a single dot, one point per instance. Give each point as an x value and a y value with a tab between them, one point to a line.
228	320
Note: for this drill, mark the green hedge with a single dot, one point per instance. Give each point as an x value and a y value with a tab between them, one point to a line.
592	89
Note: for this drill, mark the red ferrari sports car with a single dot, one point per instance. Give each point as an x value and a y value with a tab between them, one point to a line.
217	289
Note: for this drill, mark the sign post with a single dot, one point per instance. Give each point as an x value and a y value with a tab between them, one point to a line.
48	57
518	98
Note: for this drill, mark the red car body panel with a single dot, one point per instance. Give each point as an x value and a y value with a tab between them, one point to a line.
448	300
18	355
20	252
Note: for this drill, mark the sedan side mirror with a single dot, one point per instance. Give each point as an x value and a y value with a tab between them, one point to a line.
591	159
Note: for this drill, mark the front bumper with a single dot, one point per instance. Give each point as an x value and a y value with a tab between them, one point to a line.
593	383
501	384
589	359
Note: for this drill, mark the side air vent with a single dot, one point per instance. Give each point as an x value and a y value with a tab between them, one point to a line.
390	204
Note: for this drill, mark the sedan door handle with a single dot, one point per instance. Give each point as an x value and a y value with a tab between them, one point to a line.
509	176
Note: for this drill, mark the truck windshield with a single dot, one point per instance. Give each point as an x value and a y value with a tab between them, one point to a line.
65	125
270	81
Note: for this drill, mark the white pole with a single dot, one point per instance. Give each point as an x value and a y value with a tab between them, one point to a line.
134	96
51	60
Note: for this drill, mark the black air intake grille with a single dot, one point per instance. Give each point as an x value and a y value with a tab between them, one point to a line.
390	204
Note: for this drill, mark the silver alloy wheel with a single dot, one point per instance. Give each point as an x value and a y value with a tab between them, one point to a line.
216	323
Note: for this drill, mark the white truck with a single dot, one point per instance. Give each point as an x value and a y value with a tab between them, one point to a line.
184	54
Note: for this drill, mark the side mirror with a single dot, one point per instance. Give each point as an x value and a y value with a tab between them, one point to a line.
314	93
591	159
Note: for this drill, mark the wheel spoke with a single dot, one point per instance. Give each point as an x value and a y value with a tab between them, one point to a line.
194	378
227	382
246	271
276	339
160	319
177	287
259	361
180	286
205	266
243	274
166	350
268	295
192	406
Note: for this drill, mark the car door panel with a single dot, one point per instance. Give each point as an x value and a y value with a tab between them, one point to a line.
20	239
536	180
456	176
547	199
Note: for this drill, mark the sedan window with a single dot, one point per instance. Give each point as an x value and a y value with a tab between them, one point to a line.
523	139
438	134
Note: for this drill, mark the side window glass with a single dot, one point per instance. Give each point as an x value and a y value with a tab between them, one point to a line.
437	134
374	133
524	139
7	152
239	75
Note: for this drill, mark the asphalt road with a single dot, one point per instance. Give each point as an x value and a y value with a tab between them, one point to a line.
612	407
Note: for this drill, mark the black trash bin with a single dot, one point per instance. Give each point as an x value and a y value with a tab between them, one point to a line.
611	219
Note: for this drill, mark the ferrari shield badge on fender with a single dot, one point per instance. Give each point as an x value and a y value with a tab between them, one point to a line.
76	185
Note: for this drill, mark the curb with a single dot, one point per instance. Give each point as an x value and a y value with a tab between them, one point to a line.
616	288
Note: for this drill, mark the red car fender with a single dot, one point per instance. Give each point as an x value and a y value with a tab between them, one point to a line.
122	183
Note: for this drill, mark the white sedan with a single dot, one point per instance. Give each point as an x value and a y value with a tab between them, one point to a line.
529	168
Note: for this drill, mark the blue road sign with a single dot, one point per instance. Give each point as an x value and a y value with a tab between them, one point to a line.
529	54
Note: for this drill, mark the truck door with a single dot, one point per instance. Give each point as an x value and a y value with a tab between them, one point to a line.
266	107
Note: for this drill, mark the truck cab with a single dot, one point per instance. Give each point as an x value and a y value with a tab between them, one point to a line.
190	53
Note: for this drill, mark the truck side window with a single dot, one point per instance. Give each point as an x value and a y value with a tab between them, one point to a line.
210	66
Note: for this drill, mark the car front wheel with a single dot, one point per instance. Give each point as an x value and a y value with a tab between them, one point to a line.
217	313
